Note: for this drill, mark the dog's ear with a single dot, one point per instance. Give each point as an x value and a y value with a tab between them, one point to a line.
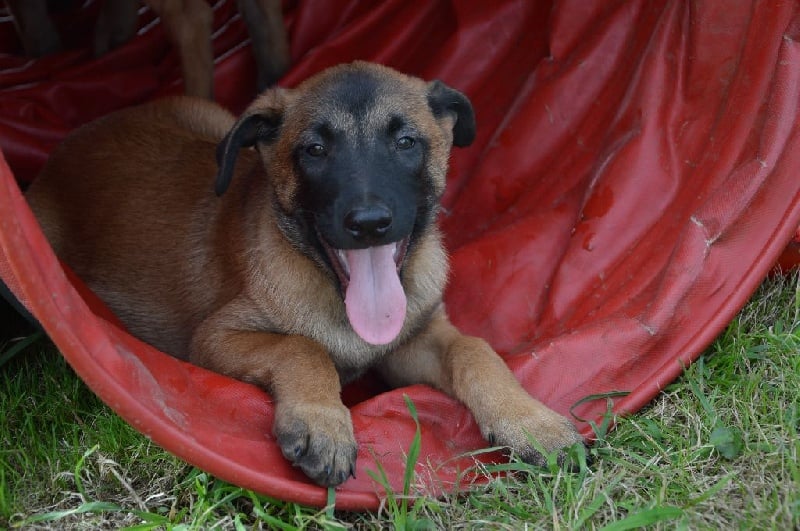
261	122
448	102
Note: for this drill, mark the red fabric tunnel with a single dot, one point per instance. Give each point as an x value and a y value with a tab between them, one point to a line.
634	178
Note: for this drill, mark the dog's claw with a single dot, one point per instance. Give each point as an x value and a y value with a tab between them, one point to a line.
317	439
533	433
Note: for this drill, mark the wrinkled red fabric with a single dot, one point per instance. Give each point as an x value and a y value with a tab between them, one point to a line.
633	180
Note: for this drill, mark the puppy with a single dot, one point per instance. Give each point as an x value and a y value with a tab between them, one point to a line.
188	25
295	265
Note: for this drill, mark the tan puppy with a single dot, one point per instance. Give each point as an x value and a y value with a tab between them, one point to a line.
320	259
188	25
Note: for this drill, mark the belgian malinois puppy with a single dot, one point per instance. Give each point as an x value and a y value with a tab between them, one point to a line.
317	257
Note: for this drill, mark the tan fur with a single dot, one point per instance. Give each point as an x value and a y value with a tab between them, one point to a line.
127	202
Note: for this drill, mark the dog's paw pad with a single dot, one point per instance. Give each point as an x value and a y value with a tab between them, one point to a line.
319	440
532	437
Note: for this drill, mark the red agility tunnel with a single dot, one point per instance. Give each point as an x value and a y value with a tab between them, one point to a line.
634	178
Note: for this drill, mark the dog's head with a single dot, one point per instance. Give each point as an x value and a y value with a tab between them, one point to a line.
357	158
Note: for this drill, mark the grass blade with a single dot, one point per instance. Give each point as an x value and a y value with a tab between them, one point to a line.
19	346
413	450
645	518
90	507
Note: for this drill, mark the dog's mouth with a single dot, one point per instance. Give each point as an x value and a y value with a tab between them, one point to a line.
373	294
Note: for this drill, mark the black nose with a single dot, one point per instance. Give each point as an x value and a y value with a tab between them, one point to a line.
368	223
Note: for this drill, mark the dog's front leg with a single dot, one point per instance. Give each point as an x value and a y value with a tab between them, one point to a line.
468	369
312	426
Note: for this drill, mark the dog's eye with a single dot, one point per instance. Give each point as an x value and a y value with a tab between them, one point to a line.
316	150
404	142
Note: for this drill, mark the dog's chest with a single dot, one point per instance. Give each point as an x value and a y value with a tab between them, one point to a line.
351	355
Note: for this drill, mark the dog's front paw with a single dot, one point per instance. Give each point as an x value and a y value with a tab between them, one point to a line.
319	439
528	429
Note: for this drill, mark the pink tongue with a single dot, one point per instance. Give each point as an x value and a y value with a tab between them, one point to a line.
375	300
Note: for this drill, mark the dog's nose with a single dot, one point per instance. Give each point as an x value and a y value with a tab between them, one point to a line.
368	223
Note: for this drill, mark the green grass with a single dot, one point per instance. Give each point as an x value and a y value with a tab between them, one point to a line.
717	449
